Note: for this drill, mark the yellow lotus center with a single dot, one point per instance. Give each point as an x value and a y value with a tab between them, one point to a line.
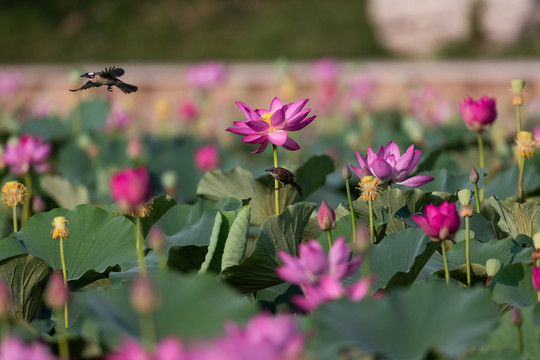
267	117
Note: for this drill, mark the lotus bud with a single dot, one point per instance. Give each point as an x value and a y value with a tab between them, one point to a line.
156	239
515	317
536	277
346	172
464	196
6	300
143	295
168	180
517	90
56	292
326	217
473	176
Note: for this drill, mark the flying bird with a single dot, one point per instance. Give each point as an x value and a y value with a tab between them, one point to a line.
108	77
284	177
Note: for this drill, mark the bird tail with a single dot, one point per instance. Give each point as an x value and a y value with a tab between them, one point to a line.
127	88
297	187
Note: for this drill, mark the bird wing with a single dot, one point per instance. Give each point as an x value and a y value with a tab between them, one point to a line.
113	72
88	85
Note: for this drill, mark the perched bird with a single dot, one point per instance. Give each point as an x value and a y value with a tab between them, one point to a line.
108	77
285	177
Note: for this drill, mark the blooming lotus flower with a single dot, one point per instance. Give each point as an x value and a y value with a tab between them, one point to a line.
12	348
271	126
439	222
478	115
536	277
207	158
188	111
167	349
131	188
27	153
389	166
118	119
206	75
429	108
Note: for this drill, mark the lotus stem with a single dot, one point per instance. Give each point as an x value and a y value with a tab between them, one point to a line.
276	183
148	331
467	250
26	205
446	271
63	346
477	197
371	226
480	139
139	245
518	117
520	338
64	275
351	210
15	227
330	240
521	165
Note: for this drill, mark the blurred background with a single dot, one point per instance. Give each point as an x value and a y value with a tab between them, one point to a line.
374	71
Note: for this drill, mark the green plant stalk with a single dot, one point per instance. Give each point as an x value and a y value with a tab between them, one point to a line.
520	338
330	240
15	227
148	331
139	246
521	165
276	183
26	205
371	226
5	328
63	346
468	250
351	210
477	197
64	275
481	158
445	260
518	117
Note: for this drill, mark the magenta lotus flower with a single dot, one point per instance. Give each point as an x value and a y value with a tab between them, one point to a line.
207	158
478	115
28	153
389	166
206	75
131	188
12	348
271	126
429	108
439	222
326	217
536	277
167	349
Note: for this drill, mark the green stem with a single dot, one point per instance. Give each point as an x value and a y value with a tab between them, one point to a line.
477	197
468	250
371	226
64	275
276	183
521	165
63	346
26	205
139	245
15	226
330	240
520	339
148	331
5	328
481	158
351	210
518	117
446	271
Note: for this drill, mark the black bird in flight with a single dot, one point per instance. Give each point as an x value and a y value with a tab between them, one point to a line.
108	77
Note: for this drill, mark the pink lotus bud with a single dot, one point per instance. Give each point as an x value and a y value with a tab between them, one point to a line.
536	277
478	115
56	292
346	172
6	300
515	317
326	217
439	222
134	148
156	239
474	176
207	158
131	188
143	295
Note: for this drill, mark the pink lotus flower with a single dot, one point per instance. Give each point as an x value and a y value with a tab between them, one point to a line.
264	337
325	70
206	75
478	115
429	108
439	222
118	119
188	111
27	153
10	83
326	217
389	166
56	293
131	188
207	158
12	348
168	349
320	275
536	277
271	126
